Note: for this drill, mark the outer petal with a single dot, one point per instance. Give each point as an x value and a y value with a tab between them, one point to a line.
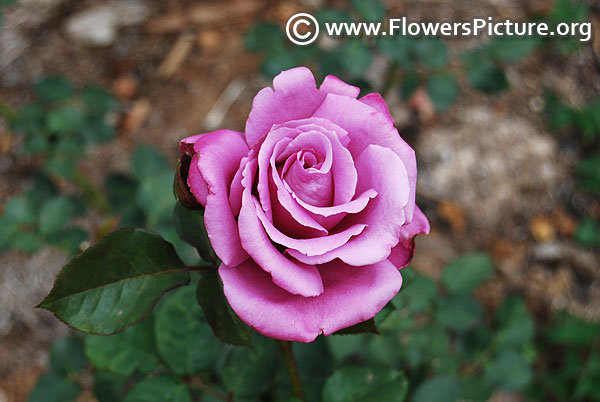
366	125
383	215
196	183
377	102
402	254
334	85
186	146
293	276
294	96
219	154
352	295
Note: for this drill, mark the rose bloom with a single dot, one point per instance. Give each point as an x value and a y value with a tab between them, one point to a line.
311	210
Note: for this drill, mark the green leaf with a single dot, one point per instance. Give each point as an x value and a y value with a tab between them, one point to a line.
588	233
486	77
264	37
459	313
26	242
515	325
116	282
54	388
418	294
476	389
109	387
431	52
56	212
356	57
183	338
409	85
342	347
65	120
438	389
70	239
398	49
367	326
61	166
98	100
7	230
315	364
512	49
443	91
41	190
369	10
509	370
155	198
225	324
190	228
158	389
248	372
121	189
372	384
54	88
124	353
20	209
467	272
147	162
384	313
573	331
67	356
587	386
96	130
277	61
558	115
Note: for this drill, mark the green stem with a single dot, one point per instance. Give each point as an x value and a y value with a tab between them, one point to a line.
290	364
198	383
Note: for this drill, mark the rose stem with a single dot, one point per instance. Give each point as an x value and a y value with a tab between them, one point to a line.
290	364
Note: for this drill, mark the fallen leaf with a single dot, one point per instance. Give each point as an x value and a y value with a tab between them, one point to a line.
453	214
542	229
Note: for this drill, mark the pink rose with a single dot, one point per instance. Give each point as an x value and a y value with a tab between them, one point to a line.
311	210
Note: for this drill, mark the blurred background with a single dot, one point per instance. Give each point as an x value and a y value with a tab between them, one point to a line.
502	300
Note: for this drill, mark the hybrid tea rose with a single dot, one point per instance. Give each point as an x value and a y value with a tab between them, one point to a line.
311	210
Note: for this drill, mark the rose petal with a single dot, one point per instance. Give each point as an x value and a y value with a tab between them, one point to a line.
402	254
186	146
196	183
318	124
219	154
366	126
290	217
278	137
294	96
328	217
352	295
311	246
313	185
344	183
235	192
383	215
377	102
334	85
293	276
